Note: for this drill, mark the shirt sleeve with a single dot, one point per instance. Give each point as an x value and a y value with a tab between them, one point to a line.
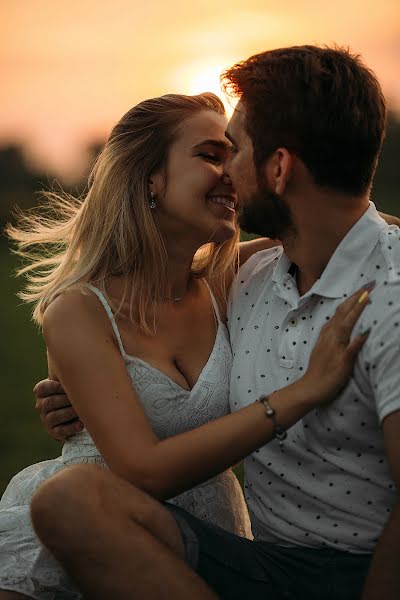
383	348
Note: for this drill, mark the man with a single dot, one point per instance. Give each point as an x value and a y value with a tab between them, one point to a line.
306	136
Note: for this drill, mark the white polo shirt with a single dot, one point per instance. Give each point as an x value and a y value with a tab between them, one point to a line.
329	484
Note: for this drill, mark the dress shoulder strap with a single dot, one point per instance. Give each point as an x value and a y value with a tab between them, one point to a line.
214	303
101	296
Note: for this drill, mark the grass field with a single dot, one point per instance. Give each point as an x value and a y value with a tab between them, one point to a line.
22	363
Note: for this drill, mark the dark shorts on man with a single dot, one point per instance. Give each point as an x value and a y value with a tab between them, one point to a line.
237	568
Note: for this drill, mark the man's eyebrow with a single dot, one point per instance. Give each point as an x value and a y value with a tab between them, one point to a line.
217	143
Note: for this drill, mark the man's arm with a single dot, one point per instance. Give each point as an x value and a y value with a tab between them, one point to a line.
382	352
383	580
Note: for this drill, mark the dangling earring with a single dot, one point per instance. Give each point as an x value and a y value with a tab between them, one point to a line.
152	203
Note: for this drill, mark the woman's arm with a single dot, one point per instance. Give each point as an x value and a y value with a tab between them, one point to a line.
390	219
85	358
247	249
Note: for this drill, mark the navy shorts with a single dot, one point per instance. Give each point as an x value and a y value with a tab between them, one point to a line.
240	569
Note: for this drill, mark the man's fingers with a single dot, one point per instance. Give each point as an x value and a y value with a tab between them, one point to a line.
47	387
55	410
62	432
50	403
60	417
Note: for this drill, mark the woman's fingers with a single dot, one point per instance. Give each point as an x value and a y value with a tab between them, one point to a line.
348	313
355	345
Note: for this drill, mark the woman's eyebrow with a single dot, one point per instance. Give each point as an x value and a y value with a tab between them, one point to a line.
217	143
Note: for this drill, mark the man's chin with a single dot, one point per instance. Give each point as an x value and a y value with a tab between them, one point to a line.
250	228
267	215
252	225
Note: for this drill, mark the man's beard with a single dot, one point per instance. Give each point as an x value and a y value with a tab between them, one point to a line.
266	214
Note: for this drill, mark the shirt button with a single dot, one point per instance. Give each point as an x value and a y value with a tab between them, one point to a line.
293	322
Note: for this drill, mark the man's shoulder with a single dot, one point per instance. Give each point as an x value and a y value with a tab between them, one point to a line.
389	249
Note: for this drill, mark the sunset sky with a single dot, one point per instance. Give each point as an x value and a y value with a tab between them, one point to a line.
71	68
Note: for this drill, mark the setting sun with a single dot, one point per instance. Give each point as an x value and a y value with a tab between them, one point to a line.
202	76
71	69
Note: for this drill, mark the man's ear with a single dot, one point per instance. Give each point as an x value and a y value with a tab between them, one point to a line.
278	170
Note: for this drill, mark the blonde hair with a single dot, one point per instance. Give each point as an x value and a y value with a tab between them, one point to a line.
110	231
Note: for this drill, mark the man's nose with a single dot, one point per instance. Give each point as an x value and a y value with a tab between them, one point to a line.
226	179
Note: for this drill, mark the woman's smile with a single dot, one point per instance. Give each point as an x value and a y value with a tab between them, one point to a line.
227	201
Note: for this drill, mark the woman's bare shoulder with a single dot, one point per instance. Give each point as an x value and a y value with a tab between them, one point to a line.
74	307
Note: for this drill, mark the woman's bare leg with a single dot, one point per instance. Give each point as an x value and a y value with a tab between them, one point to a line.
113	539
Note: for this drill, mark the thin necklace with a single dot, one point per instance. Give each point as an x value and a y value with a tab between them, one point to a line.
171	299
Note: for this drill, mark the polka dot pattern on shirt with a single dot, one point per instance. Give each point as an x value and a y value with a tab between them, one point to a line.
330	481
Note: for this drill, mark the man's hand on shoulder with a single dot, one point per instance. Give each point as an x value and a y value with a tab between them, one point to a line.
55	410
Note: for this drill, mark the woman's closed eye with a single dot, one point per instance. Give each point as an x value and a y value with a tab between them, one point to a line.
211	157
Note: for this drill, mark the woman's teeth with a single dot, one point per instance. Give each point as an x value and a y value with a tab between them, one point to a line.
223	200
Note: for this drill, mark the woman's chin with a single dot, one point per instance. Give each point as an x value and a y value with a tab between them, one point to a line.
226	231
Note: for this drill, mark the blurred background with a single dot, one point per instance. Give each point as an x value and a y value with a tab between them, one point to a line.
71	68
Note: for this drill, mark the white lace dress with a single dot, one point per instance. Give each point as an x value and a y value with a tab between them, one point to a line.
27	567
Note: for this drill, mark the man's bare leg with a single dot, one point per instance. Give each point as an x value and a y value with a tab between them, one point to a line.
113	539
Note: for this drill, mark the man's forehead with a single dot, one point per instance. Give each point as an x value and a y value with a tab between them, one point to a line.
236	126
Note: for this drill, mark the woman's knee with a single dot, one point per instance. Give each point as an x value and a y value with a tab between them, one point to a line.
65	499
84	498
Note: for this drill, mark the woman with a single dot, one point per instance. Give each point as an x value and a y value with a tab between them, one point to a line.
133	291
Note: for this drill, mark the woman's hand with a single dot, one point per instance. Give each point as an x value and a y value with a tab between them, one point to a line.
333	357
55	410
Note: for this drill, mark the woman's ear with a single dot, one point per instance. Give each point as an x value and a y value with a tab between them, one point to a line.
151	184
156	183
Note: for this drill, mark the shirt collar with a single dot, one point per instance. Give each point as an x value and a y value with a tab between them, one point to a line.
282	268
352	251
